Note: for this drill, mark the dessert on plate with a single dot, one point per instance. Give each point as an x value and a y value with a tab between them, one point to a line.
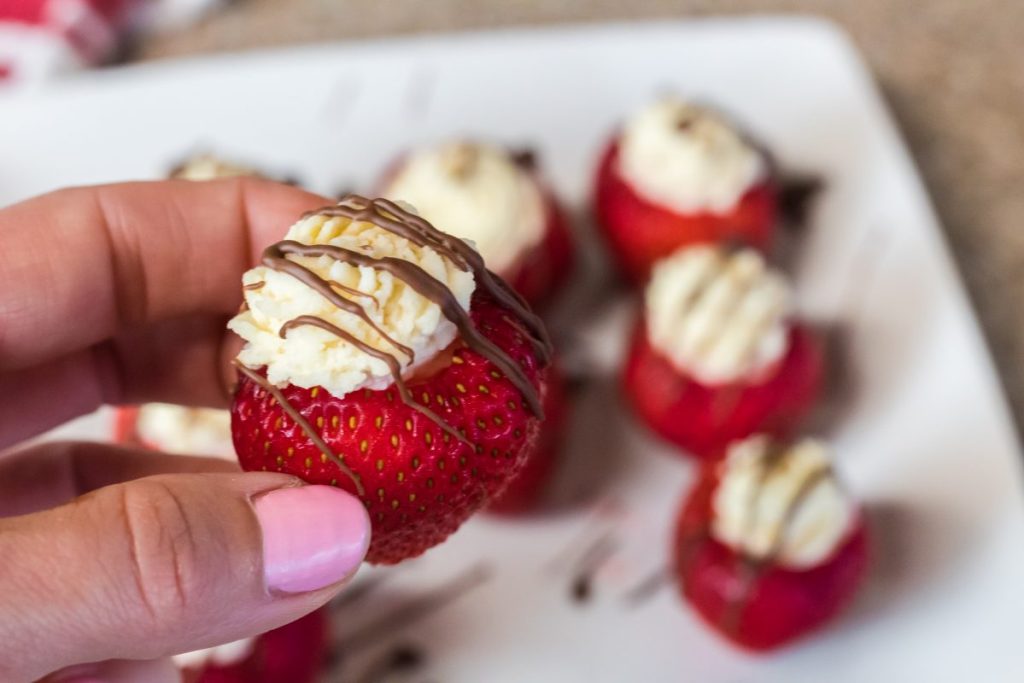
290	654
769	545
717	354
176	429
678	174
496	199
207	166
382	357
527	490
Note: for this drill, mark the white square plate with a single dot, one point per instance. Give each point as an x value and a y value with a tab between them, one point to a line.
924	437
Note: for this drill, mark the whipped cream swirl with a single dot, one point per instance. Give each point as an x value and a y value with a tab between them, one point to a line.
477	192
688	158
781	503
717	314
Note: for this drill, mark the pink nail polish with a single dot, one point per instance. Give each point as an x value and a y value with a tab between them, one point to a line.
313	536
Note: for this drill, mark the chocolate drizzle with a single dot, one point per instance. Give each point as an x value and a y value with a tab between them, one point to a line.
390	217
387	358
274	258
648	587
418	608
401	659
581	588
302	422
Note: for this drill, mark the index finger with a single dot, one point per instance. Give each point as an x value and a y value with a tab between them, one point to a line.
82	264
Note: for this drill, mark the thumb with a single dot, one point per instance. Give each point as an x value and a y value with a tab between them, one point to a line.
120	671
170	564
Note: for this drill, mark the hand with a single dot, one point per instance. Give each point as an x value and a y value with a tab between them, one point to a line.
119	294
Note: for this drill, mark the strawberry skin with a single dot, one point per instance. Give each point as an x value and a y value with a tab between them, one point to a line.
703	419
125	431
543	270
525	493
419	482
291	654
765	607
640	232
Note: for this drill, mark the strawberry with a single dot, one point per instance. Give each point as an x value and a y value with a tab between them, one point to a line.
169	428
526	490
291	654
125	420
640	232
418	481
759	605
540	273
703	419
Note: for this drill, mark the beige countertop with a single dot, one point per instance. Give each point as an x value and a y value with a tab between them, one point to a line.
953	71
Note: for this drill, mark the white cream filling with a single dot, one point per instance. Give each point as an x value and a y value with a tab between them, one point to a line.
793	512
687	158
311	357
222	655
716	314
188	431
476	192
209	167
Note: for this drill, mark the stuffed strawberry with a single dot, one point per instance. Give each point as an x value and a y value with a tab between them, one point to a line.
525	493
382	357
290	654
768	545
176	429
495	199
209	167
678	174
717	355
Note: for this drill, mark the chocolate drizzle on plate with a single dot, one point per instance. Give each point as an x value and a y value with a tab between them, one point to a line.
404	658
581	588
796	196
648	587
417	608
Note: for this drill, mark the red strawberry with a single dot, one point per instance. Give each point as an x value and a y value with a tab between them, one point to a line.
418	482
291	654
125	420
703	419
526	491
640	232
764	606
541	272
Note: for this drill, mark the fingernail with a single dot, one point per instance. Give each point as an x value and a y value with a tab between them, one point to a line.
313	537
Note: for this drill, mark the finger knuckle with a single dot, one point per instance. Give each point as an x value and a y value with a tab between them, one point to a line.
163	551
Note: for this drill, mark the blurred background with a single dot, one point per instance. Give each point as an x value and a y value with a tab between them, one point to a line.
952	71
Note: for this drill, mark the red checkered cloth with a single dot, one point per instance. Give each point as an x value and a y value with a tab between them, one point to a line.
42	38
